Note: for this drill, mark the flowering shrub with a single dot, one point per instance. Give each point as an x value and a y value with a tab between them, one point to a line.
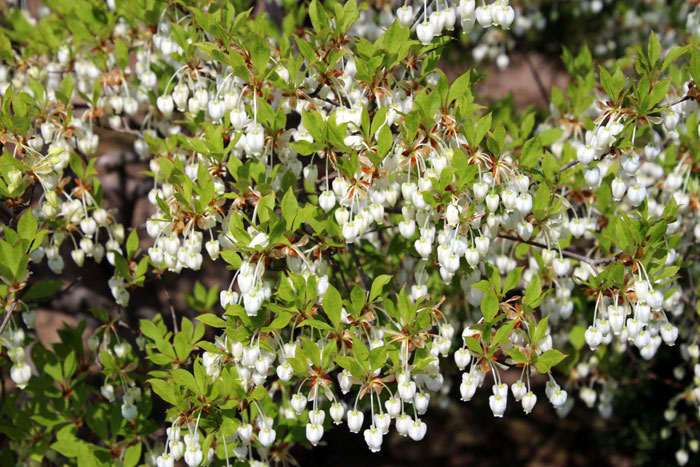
388	236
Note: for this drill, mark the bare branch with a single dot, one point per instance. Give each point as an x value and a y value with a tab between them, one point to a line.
570	254
7	317
568	165
363	276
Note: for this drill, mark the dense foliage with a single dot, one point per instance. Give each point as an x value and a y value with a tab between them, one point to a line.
389	234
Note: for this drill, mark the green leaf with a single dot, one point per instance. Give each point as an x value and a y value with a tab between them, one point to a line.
280	321
318	324
96	418
502	334
70	364
473	345
66	442
260	55
484	286
42	289
377	286
577	336
541	201
384	141
19	105
695	66
210	319
328	354
299	363
317	15
5	48
333	305
121	51
377	357
549	165
315	125
289	207
548	360
465	172
132	455
351	365
231	258
512	280
673	55
654	49
618	83
394	37
658	92
357	298
532	152
516	355
186	379
407	311
489	306
540	330
533	290
359	349
604	196
482	127
550	135
122	266
312	351
150	330
132	244
459	87
527	124
27	225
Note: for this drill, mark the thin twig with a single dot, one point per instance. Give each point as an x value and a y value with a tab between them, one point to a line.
690	291
7	317
682	99
172	311
62	291
538	80
591	261
315	95
660	106
568	165
324	99
363	276
381	228
127	128
420	13
335	266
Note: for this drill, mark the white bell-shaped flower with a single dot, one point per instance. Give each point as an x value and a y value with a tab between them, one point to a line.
355	419
425	32
373	438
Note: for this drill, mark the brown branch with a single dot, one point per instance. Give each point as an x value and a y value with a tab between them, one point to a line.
681	100
7	317
590	261
420	15
660	106
538	80
127	127
315	95
568	165
172	311
363	276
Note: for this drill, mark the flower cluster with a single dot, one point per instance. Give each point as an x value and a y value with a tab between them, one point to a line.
377	222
